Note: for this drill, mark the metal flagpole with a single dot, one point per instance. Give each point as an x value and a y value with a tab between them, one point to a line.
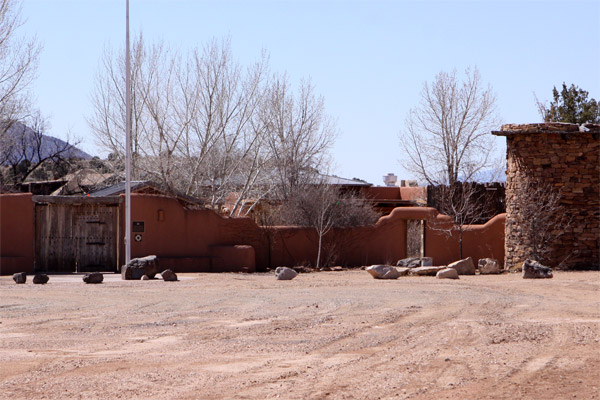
127	141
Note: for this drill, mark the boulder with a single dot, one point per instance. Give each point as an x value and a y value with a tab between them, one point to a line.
285	273
464	266
145	278
40	279
534	270
383	272
489	266
168	275
20	277
411	262
447	273
140	266
425	271
94	277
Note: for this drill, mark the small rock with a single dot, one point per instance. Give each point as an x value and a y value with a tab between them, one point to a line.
20	277
285	273
40	279
145	278
534	270
325	269
464	266
411	262
489	266
383	272
425	271
168	275
447	273
94	277
337	268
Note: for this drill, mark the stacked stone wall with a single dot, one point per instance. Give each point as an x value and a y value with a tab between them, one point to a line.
566	157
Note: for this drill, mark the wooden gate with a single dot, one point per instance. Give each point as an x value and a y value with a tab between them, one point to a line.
76	234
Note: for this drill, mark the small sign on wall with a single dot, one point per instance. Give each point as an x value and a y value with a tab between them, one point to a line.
138	226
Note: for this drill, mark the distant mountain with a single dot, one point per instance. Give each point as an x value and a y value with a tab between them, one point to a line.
490	175
19	142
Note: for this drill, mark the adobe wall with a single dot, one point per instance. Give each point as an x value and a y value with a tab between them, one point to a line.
201	241
16	233
395	192
383	242
479	241
189	240
568	159
194	240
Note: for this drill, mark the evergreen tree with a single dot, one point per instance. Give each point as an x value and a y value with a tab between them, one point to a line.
570	105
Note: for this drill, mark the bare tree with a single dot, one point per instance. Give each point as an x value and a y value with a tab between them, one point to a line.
540	218
299	134
323	207
18	64
464	204
107	121
447	137
205	126
192	119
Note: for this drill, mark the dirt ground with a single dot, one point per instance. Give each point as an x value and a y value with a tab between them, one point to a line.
328	335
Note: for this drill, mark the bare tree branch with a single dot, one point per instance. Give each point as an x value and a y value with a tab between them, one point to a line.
205	126
446	137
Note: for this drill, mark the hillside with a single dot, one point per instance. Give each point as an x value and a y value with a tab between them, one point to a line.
19	142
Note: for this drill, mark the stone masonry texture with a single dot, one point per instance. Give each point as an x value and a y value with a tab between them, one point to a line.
565	156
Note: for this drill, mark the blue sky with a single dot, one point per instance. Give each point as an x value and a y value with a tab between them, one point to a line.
368	59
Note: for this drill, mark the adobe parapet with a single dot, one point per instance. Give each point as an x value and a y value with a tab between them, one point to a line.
566	156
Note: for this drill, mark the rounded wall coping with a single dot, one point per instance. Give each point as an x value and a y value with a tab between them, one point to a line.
410	213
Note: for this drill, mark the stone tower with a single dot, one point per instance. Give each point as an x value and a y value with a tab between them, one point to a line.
565	156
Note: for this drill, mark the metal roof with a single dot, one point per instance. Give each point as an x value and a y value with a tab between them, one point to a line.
118	188
336	180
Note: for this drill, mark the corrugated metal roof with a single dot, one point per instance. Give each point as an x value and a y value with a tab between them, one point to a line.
118	188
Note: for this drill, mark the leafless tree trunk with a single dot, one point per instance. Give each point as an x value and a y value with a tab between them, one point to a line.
447	137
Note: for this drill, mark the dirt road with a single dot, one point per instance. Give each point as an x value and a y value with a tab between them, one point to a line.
329	335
